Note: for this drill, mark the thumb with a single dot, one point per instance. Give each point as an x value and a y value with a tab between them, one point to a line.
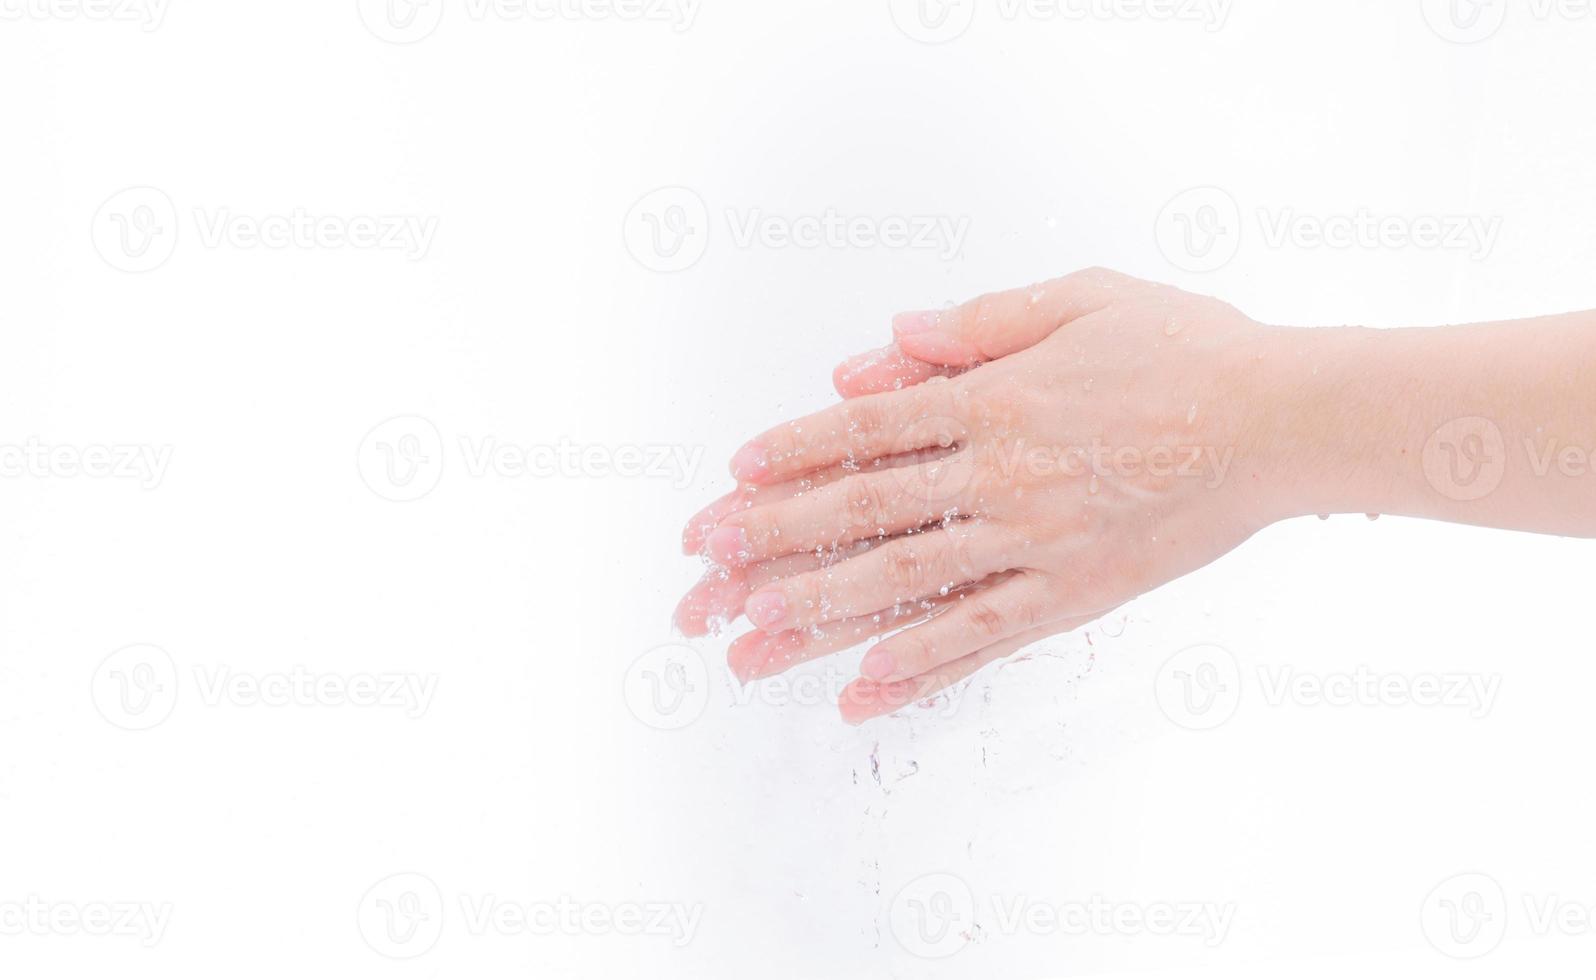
887	369
999	324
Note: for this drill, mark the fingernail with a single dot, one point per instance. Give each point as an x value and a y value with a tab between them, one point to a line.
703	522
767	610
727	545
923	321
750	462
877	664
690	618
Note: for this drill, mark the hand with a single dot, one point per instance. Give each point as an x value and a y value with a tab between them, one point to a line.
721	594
1108	459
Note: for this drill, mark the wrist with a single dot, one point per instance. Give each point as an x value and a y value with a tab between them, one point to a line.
1333	423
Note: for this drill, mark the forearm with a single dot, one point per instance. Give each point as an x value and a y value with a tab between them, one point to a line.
1491	424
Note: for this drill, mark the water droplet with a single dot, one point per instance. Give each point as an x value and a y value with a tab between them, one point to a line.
1173	326
1093	486
1089	384
1324	517
1191	414
1372	517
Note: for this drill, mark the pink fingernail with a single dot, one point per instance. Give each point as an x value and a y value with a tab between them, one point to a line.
878	664
727	545
705	520
750	463
767	610
923	321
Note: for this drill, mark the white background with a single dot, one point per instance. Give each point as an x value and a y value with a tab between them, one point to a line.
535	317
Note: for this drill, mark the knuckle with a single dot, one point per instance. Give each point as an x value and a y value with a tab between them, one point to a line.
916	655
864	503
960	560
780	443
866	421
985	619
759	528
905	571
1099	275
804	594
1028	614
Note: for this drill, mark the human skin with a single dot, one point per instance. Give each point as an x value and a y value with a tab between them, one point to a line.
1025	463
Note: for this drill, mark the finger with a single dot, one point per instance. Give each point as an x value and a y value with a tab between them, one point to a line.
864	428
902	570
706	520
751	495
757	655
719	597
975	622
886	369
868	505
999	324
865	699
